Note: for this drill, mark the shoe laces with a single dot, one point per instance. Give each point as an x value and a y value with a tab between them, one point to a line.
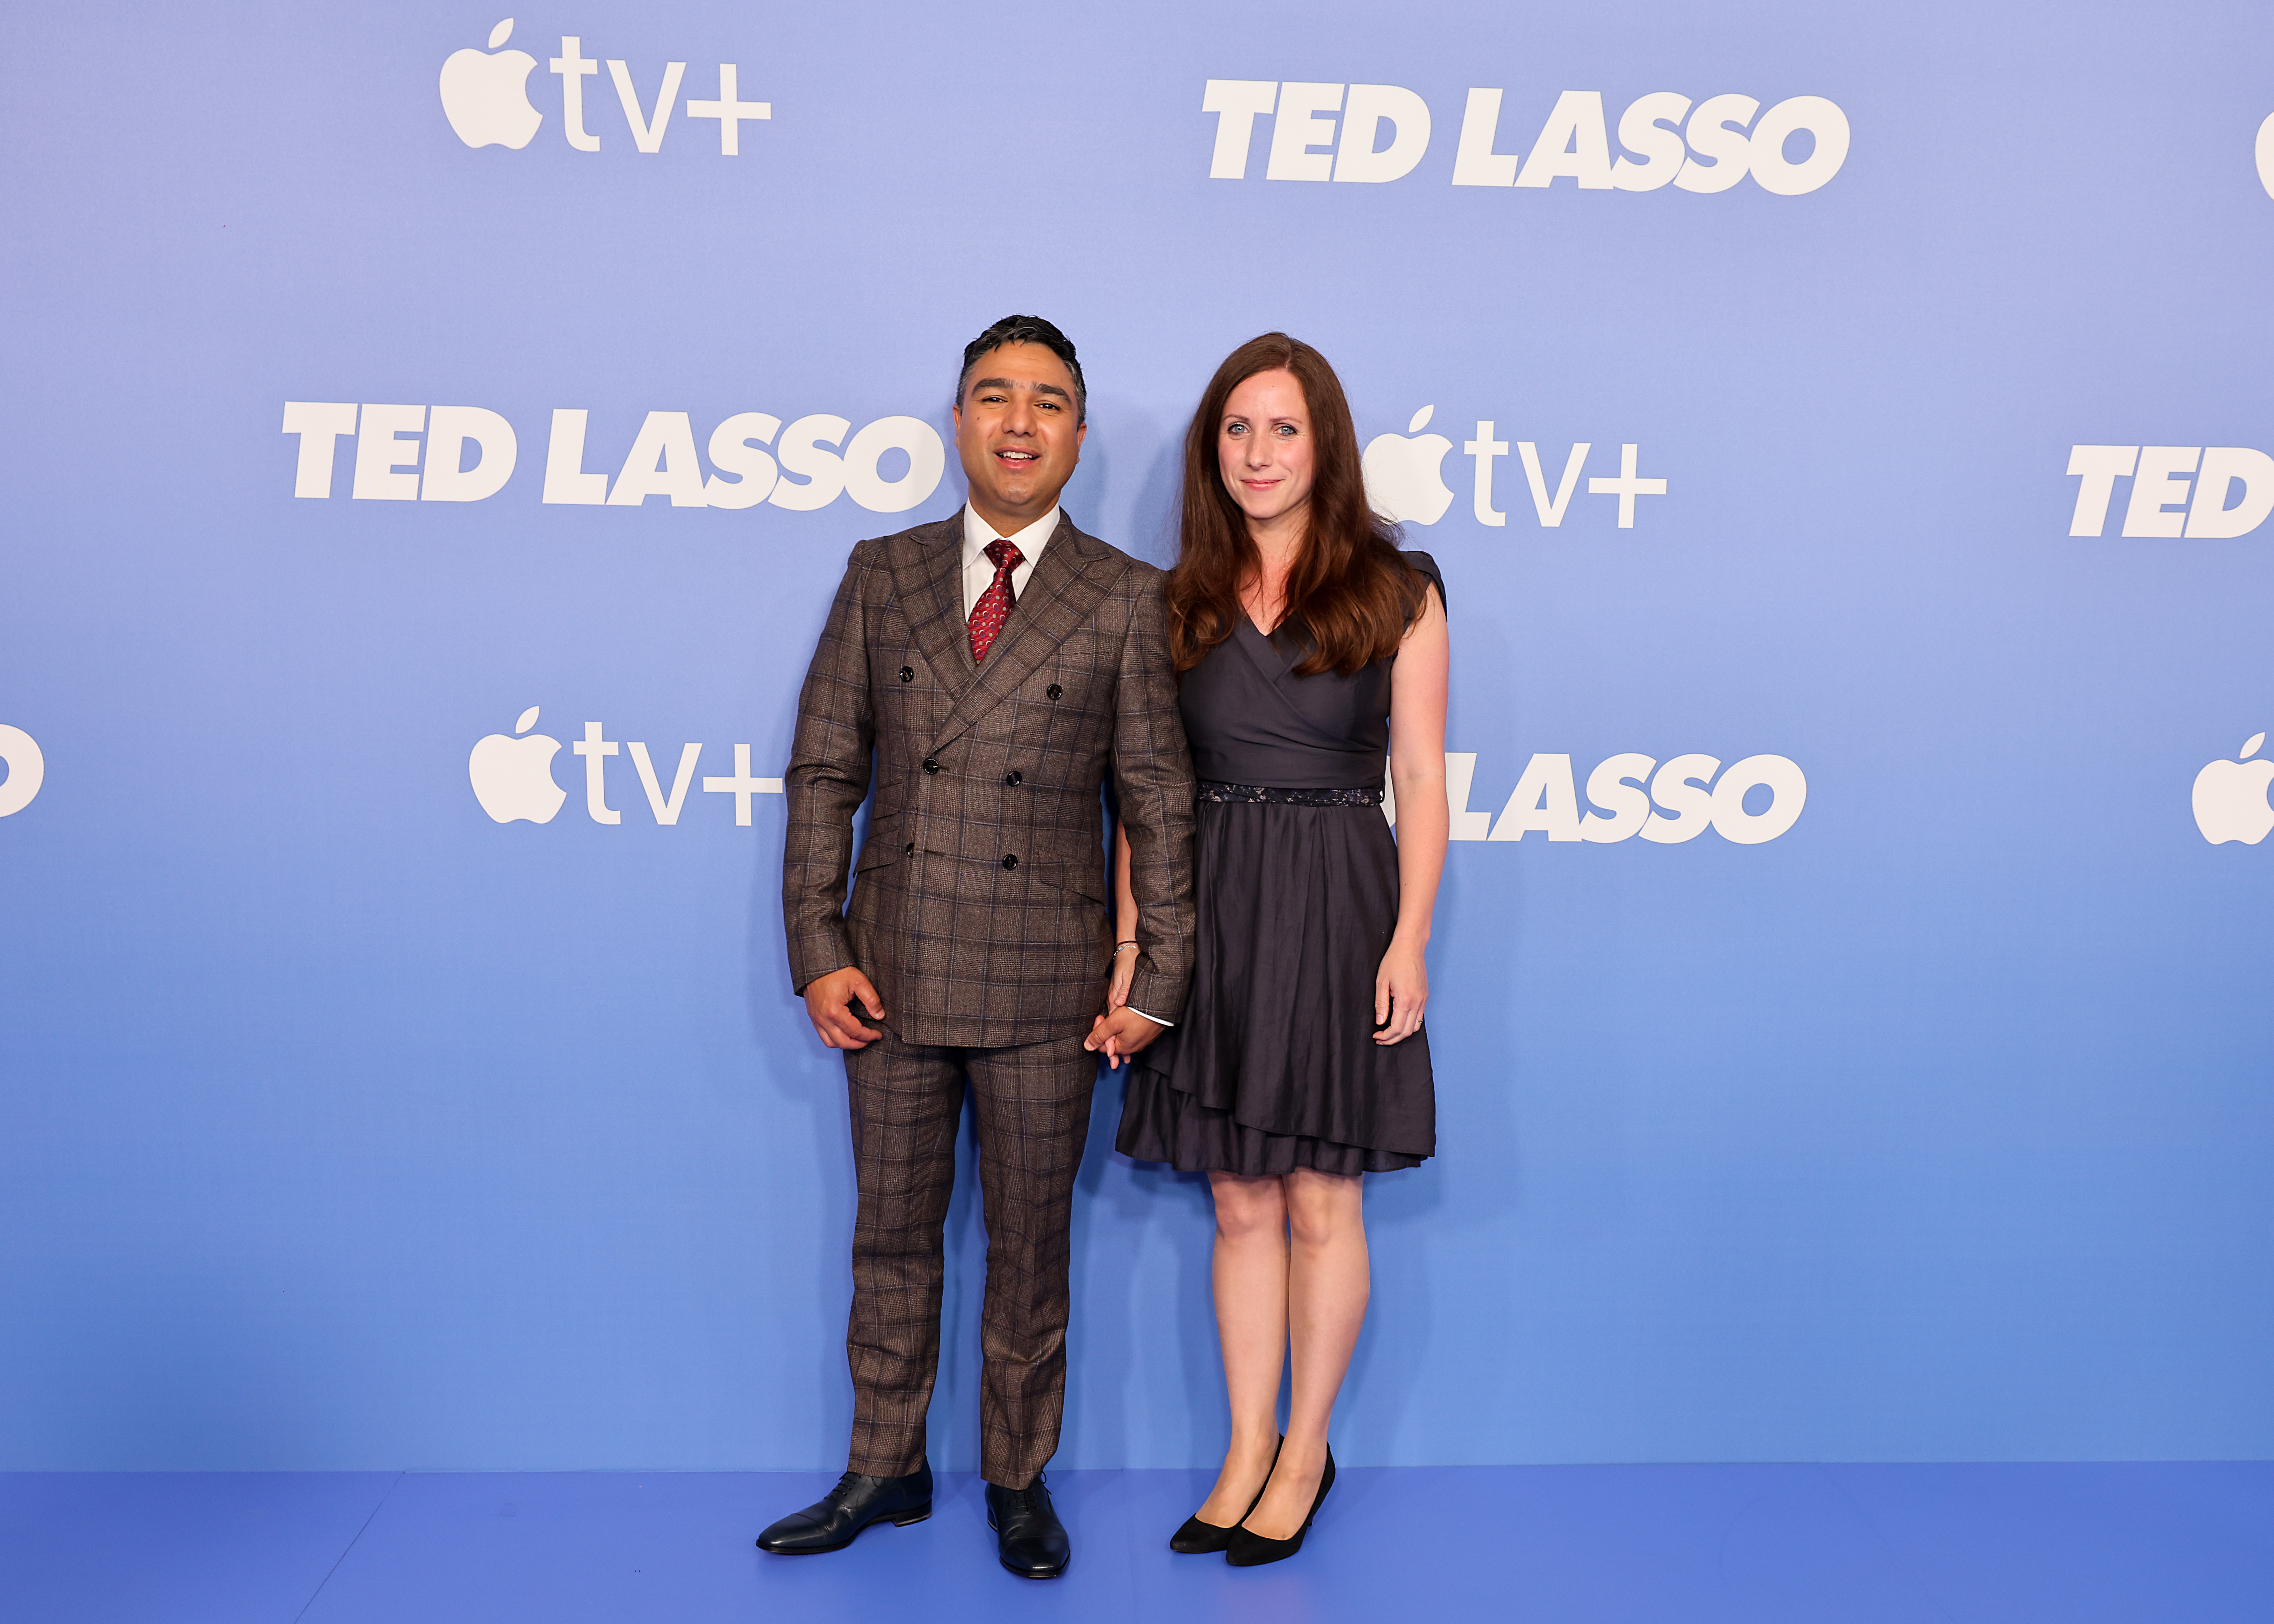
1021	1500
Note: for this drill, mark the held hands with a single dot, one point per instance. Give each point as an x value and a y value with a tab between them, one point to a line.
829	1001
1401	993
1121	1031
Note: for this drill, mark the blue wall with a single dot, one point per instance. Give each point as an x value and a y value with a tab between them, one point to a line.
342	1126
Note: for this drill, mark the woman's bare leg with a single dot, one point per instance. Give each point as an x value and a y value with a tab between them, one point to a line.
1326	1287
1251	1323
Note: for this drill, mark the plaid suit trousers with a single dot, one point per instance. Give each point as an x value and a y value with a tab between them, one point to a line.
1032	1102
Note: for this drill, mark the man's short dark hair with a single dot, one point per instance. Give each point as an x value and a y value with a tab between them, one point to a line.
1026	330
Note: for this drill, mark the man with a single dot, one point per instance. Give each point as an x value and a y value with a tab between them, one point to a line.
982	673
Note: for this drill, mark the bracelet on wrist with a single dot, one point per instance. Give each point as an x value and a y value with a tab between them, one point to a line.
1118	946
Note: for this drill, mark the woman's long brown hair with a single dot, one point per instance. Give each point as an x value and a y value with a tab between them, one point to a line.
1349	591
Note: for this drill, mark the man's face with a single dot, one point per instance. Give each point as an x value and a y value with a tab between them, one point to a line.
1016	433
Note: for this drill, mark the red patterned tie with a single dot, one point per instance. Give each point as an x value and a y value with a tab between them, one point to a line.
994	606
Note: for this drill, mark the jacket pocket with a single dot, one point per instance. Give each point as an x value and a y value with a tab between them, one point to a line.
1083	878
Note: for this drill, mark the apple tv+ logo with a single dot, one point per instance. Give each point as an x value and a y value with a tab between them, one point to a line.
512	777
1403	477
486	98
1405	482
2230	797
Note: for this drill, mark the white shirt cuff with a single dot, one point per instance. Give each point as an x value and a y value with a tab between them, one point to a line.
1155	1020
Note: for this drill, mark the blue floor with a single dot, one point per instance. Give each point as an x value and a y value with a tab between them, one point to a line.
1656	1545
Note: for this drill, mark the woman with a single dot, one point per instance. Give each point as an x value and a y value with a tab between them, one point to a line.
1309	648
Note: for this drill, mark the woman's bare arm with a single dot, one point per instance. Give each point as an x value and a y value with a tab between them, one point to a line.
1417	683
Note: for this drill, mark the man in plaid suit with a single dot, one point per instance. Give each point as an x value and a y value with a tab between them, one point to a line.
982	675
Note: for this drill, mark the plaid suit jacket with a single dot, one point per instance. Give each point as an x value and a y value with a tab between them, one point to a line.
982	904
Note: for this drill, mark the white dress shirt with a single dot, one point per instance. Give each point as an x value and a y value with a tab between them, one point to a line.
979	570
979	574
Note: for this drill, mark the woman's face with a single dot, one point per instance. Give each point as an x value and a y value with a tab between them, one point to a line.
1264	446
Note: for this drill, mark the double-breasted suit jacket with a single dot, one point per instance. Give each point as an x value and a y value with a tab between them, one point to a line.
980	911
982	905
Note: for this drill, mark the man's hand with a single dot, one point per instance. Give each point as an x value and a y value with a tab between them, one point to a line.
828	1001
1120	1034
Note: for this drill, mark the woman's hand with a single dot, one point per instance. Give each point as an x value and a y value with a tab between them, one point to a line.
1401	993
1125	971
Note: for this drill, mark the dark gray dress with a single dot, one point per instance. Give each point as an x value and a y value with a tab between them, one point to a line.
1274	1066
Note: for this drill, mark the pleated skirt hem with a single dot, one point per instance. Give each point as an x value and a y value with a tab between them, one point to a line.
1160	1122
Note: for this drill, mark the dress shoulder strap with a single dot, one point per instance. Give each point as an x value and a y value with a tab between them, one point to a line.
1427	567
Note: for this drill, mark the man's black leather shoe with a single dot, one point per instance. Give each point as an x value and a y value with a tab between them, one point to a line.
831	1521
1028	1535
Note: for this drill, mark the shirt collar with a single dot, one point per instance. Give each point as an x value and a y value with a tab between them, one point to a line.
1030	541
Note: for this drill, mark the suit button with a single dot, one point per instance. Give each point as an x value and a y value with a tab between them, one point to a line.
931	765
1054	691
912	849
1010	860
908	674
1013	779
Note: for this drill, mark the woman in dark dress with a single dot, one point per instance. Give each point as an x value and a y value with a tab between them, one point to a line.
1312	654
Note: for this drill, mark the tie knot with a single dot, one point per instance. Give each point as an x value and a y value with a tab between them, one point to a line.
1003	555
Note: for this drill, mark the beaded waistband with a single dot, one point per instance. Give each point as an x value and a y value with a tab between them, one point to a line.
1210	790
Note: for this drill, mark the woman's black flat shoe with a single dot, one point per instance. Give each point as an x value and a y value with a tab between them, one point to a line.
1199	1539
1249	1549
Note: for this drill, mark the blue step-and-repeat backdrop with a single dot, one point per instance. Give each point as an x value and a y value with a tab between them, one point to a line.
436	436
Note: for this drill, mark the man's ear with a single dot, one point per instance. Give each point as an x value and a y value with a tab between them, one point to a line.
955	416
1081	433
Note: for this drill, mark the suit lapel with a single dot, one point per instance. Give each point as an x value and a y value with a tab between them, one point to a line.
929	586
1069	579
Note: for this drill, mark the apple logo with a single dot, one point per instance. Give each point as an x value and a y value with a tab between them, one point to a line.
486	98
513	777
2231	797
1402	482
